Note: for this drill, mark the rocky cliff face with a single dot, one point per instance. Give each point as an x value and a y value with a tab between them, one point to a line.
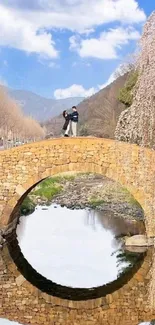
137	123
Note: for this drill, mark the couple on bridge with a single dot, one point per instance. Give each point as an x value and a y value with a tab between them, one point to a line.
71	122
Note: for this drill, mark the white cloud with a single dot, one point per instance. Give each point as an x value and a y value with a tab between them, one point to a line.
106	46
80	91
78	15
25	24
17	32
74	91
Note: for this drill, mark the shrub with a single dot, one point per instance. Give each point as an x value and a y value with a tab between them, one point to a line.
27	207
84	130
126	93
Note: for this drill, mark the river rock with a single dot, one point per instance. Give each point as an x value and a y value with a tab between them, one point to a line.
138	240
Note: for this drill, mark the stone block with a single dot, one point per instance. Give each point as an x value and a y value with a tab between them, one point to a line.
20	280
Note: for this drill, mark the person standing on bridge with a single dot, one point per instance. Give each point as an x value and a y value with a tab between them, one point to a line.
74	116
66	126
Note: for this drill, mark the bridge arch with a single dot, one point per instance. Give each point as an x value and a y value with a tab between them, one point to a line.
24	189
24	167
24	303
132	166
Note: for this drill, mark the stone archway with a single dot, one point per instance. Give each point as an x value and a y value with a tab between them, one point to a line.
131	166
23	168
26	304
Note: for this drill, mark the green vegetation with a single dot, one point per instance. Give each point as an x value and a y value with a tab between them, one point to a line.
51	186
48	188
27	206
61	178
45	190
130	199
113	193
126	257
84	130
126	93
95	202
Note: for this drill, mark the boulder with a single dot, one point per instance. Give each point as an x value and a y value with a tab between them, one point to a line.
139	241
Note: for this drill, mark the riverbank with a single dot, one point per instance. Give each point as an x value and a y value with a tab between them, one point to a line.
79	191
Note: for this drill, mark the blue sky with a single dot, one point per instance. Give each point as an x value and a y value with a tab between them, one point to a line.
67	48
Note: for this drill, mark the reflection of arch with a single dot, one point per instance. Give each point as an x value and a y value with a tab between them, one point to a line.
63	292
132	167
119	225
129	165
124	304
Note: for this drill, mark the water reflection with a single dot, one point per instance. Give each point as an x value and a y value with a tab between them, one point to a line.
117	225
7	322
75	248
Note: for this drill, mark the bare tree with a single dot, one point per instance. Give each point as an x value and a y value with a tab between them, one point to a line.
14	126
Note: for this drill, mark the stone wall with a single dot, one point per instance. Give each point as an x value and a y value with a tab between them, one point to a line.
137	124
21	302
23	167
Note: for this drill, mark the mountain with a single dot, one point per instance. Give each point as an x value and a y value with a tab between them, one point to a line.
98	114
39	107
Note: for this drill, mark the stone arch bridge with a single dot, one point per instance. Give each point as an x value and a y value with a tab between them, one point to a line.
20	170
23	167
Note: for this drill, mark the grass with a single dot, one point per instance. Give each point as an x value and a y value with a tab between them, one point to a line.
48	193
51	186
65	178
48	188
95	202
114	194
130	199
